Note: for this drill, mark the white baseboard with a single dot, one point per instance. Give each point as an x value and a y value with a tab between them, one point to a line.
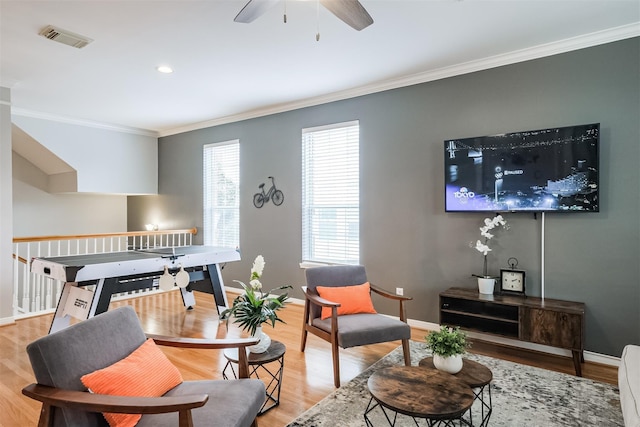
427	326
589	356
7	321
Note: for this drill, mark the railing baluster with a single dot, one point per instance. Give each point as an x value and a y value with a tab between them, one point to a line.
16	275
25	291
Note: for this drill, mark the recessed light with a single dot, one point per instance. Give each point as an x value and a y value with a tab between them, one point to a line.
165	69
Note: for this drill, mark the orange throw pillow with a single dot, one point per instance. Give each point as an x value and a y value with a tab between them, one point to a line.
353	299
146	372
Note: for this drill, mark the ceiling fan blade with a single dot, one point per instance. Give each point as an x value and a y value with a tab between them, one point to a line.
349	11
253	10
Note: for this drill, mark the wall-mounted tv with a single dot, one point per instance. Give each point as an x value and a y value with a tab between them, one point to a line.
548	170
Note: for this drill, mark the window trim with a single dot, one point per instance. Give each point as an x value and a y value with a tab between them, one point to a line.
206	231
307	245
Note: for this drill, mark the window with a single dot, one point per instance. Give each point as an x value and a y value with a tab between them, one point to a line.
221	196
331	193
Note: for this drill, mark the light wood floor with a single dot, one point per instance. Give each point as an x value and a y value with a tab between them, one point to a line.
307	376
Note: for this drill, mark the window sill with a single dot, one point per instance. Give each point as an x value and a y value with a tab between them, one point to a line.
312	264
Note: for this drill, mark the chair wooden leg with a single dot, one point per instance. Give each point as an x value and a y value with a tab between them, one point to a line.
336	362
407	352
303	340
46	416
305	321
185	419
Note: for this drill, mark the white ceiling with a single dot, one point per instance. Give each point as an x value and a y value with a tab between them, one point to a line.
227	71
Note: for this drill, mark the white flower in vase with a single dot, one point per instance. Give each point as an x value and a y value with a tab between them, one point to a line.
258	266
483	247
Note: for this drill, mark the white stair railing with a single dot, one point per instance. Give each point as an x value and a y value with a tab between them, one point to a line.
34	294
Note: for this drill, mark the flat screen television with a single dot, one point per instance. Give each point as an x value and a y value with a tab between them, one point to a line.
548	170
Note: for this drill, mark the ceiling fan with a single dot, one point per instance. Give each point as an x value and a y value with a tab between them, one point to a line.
349	11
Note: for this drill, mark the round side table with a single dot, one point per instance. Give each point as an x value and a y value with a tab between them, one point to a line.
478	377
269	364
419	393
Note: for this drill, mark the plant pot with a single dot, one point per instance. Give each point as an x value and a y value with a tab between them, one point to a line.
449	364
263	345
486	285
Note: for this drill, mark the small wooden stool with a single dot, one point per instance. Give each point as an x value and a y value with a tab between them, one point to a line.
258	363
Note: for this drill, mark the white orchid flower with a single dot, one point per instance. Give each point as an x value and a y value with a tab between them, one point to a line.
255	285
484	231
486	234
481	247
258	266
488	222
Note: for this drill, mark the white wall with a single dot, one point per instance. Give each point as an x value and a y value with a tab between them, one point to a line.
6	213
109	163
106	160
38	213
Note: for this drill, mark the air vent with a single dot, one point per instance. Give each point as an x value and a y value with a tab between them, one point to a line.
65	37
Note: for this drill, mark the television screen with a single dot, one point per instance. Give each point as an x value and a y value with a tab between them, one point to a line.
552	170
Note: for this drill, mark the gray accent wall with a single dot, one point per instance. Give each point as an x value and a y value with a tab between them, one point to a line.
407	240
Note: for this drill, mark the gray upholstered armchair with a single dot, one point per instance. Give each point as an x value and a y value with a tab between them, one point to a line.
349	330
60	360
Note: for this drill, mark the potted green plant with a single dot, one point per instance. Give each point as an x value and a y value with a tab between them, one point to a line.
254	307
447	345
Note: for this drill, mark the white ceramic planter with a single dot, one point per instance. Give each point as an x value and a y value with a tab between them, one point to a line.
486	285
449	364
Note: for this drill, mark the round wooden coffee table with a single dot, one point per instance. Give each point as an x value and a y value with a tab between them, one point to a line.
478	377
418	393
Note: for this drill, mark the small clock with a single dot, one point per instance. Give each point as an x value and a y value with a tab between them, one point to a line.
512	281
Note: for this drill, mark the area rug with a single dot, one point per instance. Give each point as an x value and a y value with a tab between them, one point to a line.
521	396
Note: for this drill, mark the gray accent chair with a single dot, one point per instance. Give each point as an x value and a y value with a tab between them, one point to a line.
59	361
354	329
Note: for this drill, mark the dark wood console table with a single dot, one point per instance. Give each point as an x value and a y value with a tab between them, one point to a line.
551	322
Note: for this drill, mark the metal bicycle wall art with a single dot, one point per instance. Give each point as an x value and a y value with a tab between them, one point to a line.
275	195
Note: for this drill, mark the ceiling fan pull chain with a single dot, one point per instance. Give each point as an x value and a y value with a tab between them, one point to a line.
285	11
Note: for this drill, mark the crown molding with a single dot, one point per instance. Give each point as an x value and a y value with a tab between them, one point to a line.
536	52
80	122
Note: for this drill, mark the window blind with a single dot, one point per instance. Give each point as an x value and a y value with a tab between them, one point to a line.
331	193
221	174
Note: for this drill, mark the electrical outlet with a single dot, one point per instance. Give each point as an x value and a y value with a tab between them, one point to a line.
400	291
